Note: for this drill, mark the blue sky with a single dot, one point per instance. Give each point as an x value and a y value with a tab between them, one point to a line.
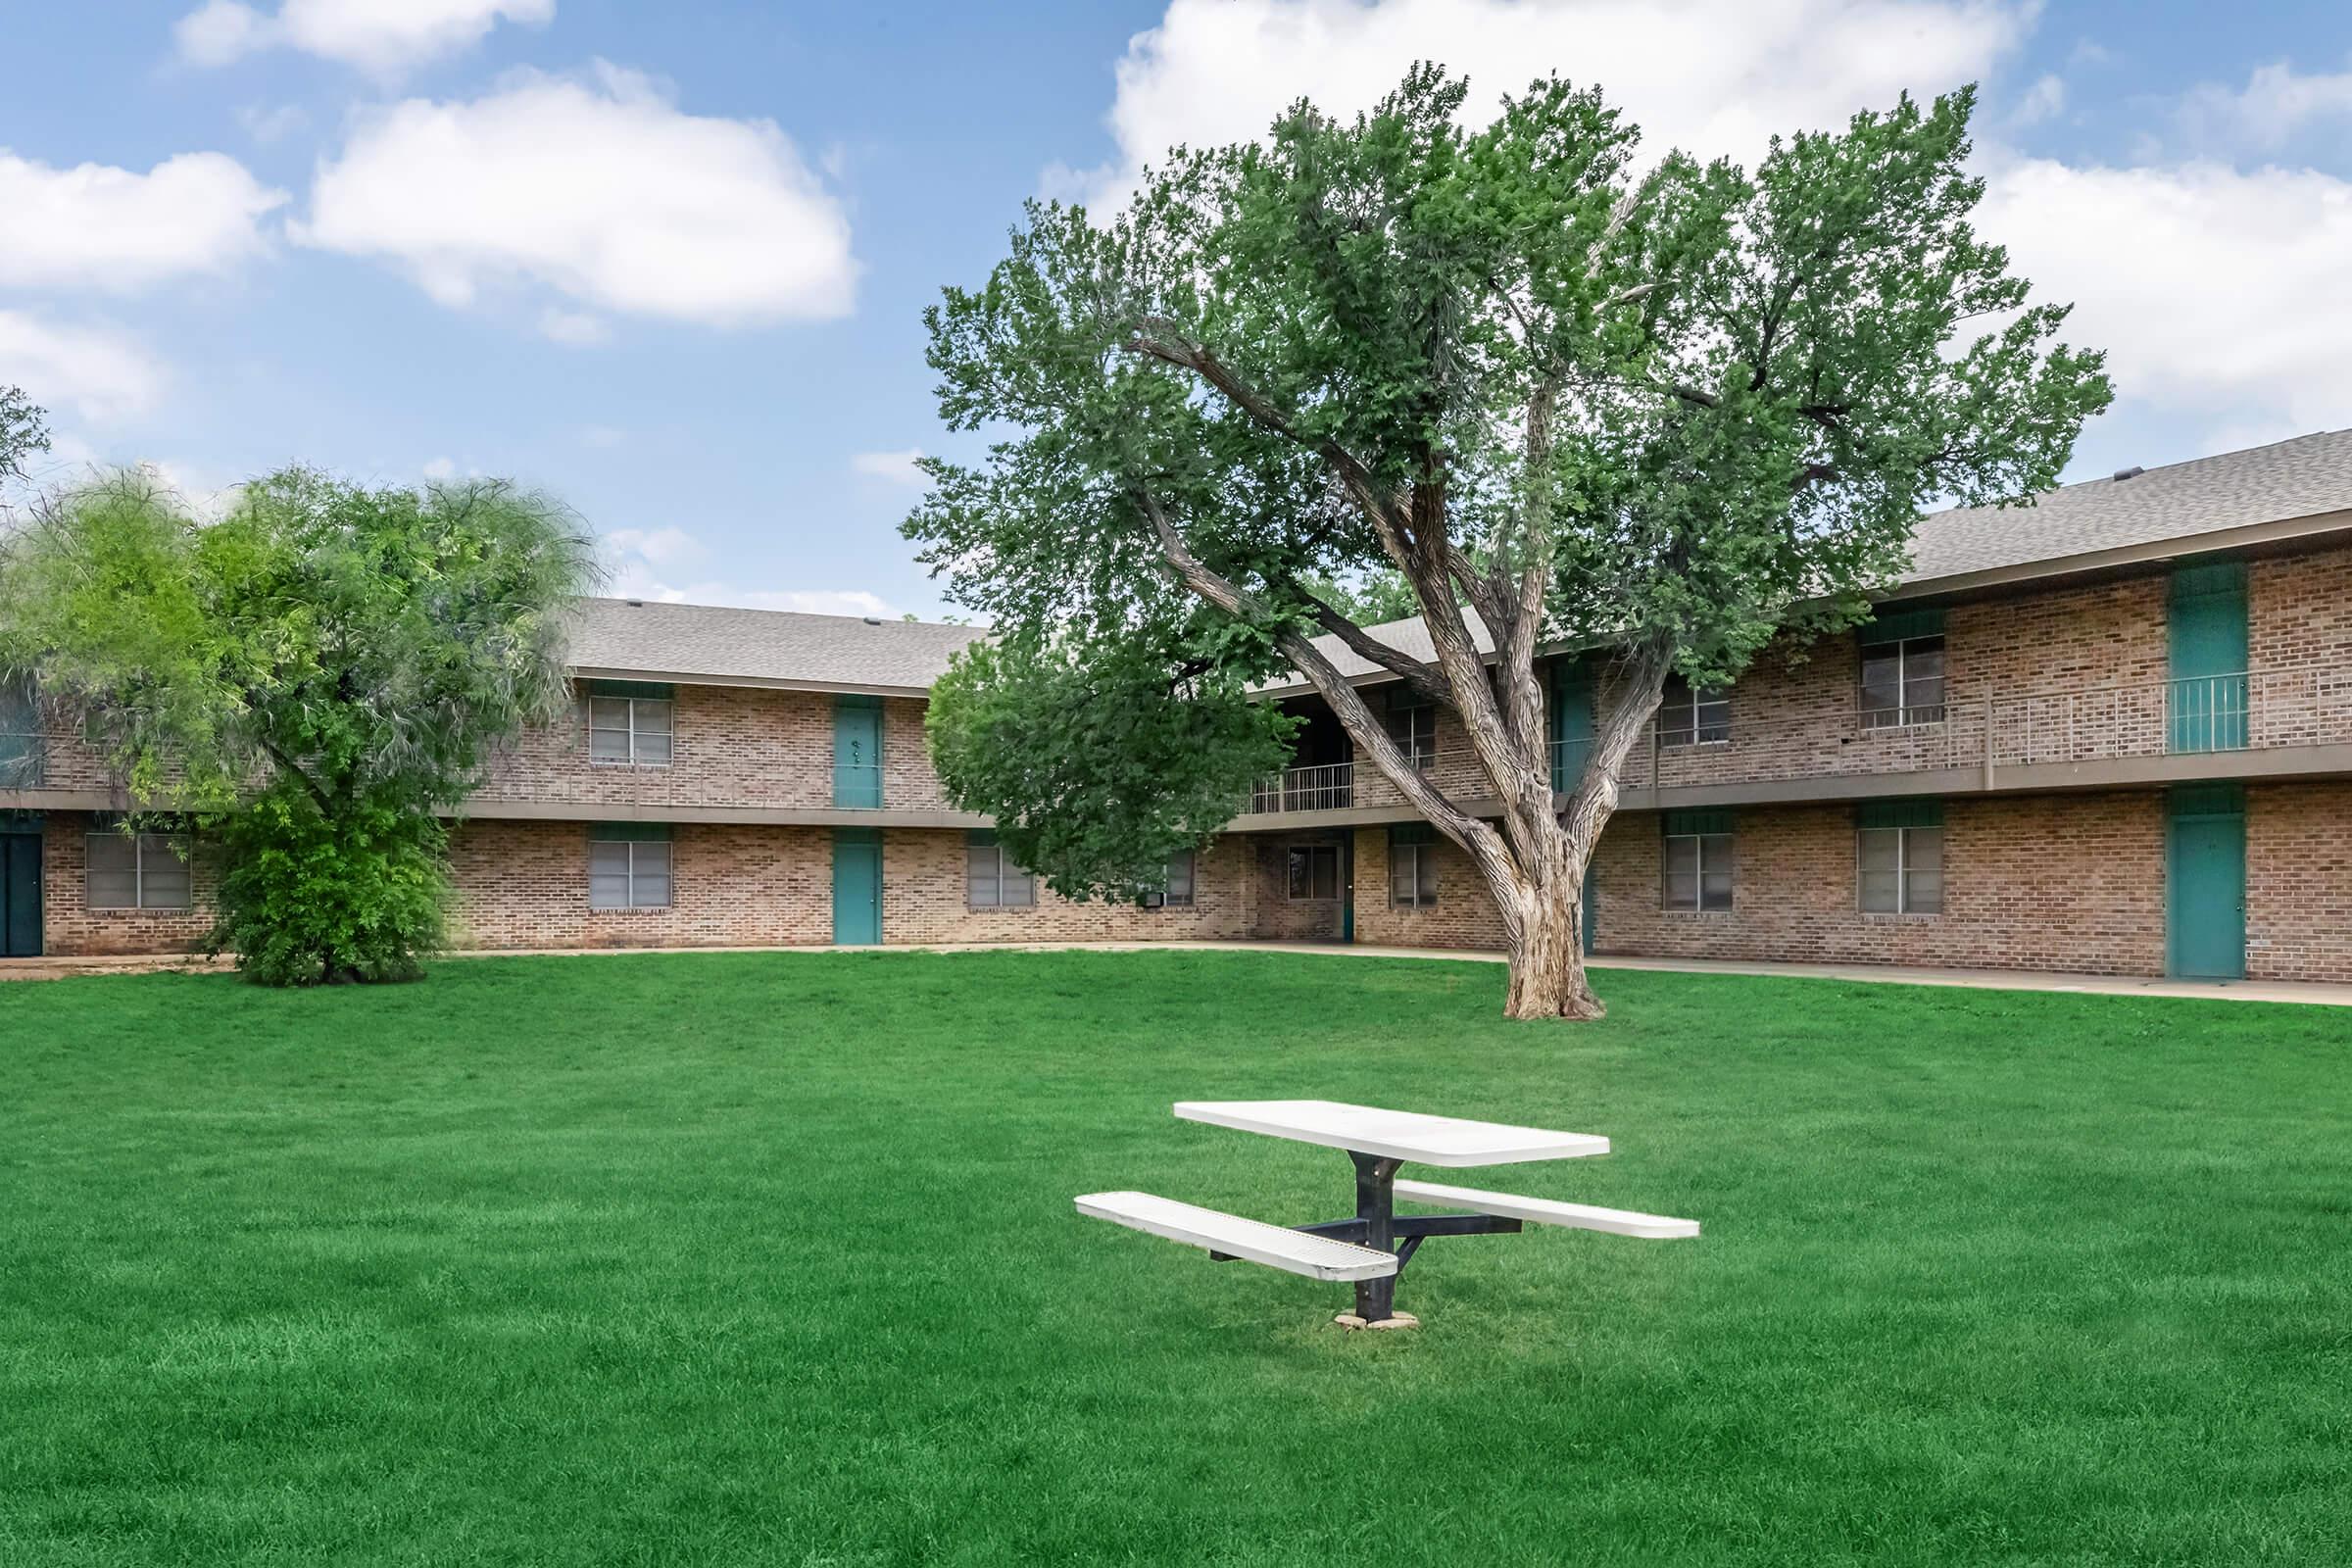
668	260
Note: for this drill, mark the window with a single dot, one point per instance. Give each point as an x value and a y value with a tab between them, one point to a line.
1413	727
630	723
1697	861
1413	867
19	735
1694	715
135	871
990	880
1314	872
628	866
1902	682
1898	856
1177	891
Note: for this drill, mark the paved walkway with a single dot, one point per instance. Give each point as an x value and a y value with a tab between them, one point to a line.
2303	991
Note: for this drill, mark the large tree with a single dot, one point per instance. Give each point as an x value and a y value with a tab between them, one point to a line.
1664	410
311	679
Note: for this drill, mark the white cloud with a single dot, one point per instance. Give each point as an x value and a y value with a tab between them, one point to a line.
2276	104
600	191
658	547
99	374
2216	292
97	226
897	468
376	35
438	468
266	125
2044	100
657	564
577	328
1711	76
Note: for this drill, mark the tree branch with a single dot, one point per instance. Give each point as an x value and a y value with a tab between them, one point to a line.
1424	678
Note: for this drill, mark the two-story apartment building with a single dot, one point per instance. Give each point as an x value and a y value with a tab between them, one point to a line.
2111	732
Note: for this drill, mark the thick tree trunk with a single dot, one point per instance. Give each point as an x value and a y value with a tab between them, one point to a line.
1547	960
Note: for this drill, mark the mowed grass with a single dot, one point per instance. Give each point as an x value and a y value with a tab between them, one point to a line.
771	1259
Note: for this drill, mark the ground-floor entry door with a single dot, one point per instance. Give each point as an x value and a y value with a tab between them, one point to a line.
856	885
2205	882
20	895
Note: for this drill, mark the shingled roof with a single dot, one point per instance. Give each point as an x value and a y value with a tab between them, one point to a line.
762	647
2309	476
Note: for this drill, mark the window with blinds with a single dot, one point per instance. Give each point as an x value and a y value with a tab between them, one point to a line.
992	881
629	866
135	871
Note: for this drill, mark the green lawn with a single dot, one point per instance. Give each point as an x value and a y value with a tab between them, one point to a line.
771	1259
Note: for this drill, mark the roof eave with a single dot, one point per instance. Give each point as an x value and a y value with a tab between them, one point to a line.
680	677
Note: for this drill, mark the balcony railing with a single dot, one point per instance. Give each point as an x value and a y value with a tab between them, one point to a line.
1323	787
2249	711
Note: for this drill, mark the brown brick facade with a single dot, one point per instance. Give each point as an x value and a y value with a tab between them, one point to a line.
2299	881
70	928
2072	881
731	747
525	885
2041	882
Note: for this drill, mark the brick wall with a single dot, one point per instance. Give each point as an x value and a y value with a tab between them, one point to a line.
1465	915
2299	881
924	900
2299	612
70	928
2043	882
731	747
525	885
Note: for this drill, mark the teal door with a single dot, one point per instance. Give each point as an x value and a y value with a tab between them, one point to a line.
856	751
20	895
2205	883
1570	721
1586	922
2206	622
857	886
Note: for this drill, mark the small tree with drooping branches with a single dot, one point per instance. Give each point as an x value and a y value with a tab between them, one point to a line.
311	679
1665	412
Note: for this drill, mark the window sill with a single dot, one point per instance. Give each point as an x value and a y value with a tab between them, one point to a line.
1900	915
633	909
1698	914
138	908
630	767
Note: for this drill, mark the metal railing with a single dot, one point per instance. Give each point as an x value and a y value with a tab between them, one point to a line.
1323	787
2246	711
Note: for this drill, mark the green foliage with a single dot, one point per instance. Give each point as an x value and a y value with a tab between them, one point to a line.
309	899
1690	403
1097	765
23	430
314	676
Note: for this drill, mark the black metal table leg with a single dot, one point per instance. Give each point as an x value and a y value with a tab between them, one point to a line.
1376	1211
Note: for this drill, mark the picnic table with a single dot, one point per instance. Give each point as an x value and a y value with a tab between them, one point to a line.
1371	1248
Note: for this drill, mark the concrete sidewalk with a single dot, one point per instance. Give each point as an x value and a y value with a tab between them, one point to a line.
2302	990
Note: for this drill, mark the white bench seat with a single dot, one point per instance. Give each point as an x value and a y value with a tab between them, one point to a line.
1318	1258
1547	1211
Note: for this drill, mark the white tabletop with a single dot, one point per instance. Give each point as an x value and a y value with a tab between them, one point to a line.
1395	1133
